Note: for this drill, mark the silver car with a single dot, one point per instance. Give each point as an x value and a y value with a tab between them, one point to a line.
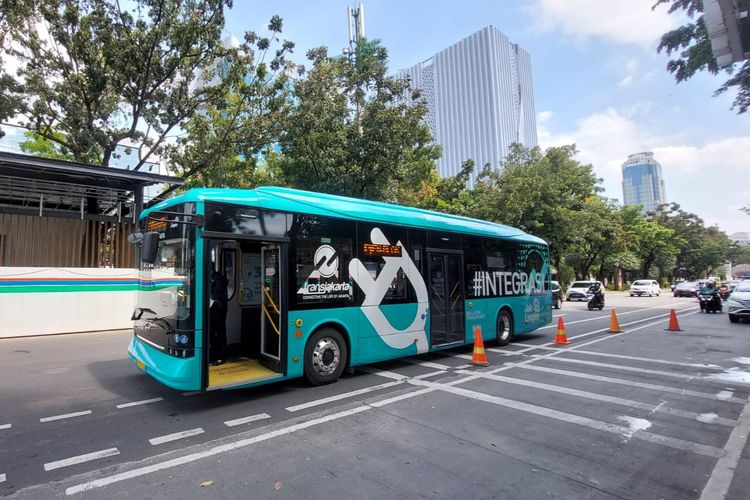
739	302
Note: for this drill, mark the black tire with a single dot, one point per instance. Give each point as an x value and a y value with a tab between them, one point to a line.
601	307
590	306
733	318
504	328
326	356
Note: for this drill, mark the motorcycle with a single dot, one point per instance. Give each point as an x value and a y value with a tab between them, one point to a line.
710	302
595	300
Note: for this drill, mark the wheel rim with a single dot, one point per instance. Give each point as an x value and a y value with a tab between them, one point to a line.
326	356
504	328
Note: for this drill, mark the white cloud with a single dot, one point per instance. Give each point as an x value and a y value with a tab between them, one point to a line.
628	22
706	178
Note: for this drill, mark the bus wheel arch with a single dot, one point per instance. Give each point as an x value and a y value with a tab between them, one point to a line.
326	354
504	326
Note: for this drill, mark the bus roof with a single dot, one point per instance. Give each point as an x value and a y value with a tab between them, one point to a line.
294	200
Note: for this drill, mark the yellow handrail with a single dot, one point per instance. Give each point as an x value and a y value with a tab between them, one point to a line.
268	296
270	320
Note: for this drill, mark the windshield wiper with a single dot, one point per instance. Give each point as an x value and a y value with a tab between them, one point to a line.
139	312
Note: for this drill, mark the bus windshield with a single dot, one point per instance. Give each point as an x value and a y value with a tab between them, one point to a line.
164	286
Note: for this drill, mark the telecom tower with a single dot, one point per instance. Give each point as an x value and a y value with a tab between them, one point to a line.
356	22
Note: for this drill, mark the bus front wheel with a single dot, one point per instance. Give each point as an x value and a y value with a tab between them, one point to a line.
504	328
325	356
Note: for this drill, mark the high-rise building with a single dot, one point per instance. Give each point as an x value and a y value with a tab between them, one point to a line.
642	182
480	98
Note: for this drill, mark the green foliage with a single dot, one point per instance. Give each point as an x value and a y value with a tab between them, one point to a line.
351	130
102	74
36	145
230	141
692	46
541	193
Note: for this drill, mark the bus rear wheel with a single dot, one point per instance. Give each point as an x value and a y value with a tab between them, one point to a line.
325	357
504	328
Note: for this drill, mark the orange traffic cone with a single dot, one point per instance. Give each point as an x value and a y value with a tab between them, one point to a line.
674	326
614	325
479	356
562	338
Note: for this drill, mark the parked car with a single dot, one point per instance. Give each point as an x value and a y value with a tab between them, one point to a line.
577	290
645	287
556	295
686	289
739	302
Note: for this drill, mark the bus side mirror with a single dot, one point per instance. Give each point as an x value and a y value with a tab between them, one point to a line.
149	247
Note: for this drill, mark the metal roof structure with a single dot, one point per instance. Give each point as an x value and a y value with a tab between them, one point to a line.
30	185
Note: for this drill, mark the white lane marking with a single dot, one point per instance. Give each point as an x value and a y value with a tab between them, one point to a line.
462	356
98	483
660	408
506	352
67	415
430	374
336	397
81	459
644	370
718	484
426	364
642	385
508	366
5	426
246	420
383	373
608	315
634	358
138	403
141	471
2	478
680	444
558	315
174	437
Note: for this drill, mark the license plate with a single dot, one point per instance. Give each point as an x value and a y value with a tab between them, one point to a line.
140	364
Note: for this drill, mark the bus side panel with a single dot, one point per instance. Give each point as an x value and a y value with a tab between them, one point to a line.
178	373
344	317
395	342
529	313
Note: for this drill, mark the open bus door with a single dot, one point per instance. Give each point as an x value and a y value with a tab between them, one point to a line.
254	318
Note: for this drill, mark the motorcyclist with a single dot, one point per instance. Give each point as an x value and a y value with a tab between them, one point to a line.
598	295
710	291
709	288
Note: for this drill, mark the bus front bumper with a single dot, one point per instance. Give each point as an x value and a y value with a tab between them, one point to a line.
183	374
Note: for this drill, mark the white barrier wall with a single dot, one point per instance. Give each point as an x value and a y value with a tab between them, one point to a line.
40	301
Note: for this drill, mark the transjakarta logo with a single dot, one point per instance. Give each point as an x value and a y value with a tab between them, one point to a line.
375	290
501	283
326	261
324	288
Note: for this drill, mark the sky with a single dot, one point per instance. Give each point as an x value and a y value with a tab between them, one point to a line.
598	82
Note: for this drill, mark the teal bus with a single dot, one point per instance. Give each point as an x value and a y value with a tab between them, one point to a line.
313	284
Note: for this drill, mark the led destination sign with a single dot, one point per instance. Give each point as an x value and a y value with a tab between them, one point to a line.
375	250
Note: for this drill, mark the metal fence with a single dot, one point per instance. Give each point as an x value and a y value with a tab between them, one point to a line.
32	241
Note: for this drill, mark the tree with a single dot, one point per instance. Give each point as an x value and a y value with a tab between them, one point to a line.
103	75
692	46
540	193
231	141
353	131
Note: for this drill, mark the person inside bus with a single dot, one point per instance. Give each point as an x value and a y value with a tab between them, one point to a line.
218	317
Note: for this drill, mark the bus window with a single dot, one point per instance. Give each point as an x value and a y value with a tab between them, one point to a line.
400	290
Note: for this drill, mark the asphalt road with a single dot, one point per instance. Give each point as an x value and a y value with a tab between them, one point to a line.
643	414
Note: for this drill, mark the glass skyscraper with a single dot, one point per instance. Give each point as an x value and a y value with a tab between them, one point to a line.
642	182
480	98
